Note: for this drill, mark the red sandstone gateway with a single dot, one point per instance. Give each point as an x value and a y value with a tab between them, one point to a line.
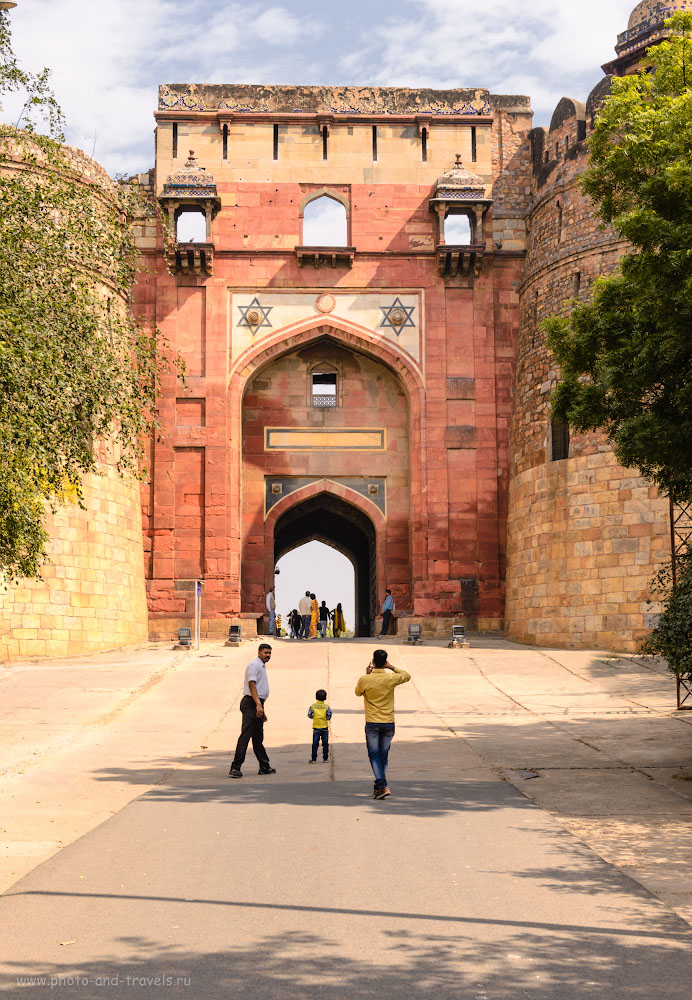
348	315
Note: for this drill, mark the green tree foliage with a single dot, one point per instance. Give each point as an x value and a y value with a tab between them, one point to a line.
672	637
76	369
626	356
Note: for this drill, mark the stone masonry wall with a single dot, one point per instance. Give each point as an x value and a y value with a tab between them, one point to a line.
92	595
585	536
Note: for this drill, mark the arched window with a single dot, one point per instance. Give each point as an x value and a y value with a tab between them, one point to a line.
458	230
323	386
325	223
191	227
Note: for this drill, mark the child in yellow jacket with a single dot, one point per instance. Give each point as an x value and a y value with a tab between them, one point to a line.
320	713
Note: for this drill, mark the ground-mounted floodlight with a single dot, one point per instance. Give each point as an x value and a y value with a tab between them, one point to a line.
234	635
415	634
458	638
184	638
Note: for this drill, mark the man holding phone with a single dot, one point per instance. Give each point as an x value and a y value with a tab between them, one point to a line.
376	687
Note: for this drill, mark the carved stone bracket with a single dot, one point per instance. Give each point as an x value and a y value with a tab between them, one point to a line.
196	259
460	260
326	256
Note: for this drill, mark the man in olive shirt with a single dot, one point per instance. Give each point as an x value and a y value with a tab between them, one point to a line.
377	689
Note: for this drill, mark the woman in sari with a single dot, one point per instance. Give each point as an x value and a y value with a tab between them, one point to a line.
314	617
339	623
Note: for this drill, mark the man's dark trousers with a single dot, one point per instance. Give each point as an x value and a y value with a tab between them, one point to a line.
386	618
252	729
305	631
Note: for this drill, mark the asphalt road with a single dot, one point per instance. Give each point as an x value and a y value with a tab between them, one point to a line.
299	885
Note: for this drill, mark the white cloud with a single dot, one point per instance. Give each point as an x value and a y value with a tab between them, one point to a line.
542	49
109	57
279	27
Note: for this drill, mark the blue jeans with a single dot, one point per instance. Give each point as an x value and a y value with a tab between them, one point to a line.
322	734
378	737
272	623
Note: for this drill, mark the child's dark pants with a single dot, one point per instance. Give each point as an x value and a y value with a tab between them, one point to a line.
317	735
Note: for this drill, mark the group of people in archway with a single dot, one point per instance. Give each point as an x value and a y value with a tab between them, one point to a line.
309	620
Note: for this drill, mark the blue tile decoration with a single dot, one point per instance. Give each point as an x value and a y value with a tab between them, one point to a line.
190	181
482	108
397	316
255	316
651	17
169	100
234	106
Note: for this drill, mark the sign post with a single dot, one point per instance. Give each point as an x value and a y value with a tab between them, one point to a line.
198	611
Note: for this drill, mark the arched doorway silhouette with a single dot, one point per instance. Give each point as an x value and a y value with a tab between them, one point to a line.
328	518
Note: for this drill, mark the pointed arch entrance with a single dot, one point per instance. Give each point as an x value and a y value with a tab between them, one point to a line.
326	517
364	447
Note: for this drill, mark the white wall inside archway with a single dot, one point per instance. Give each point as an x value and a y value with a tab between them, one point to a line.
323	570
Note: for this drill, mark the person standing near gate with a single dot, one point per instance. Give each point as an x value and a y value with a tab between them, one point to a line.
324	619
255	693
304	606
387	612
376	687
271	608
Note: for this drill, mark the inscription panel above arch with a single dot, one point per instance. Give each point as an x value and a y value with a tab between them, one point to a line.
394	316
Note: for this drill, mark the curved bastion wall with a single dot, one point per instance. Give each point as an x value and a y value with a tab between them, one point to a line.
92	595
585	536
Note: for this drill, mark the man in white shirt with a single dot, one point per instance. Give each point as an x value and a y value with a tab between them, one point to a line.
305	607
271	608
255	693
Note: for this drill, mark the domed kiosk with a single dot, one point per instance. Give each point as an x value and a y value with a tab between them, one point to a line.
646	26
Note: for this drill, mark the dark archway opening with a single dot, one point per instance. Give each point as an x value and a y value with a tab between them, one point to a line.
329	519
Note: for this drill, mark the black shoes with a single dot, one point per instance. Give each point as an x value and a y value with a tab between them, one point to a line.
235	772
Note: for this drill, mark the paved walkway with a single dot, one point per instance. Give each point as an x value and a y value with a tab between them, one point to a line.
537	842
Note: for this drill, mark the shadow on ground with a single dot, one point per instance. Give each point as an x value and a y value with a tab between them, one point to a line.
546	963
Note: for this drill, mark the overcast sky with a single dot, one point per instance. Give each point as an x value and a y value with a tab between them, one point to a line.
108	56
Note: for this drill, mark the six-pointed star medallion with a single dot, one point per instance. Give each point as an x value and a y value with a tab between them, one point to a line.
397	316
255	316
